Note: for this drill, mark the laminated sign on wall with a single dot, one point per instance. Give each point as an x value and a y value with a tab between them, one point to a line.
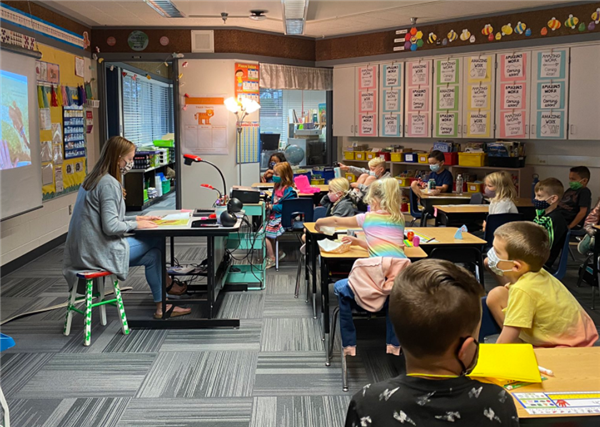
205	121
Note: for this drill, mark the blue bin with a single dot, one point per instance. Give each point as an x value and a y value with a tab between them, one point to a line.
6	342
328	174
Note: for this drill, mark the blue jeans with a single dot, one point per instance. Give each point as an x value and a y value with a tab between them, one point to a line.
146	251
488	323
346	303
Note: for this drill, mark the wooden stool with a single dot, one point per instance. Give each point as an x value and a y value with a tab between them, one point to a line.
91	277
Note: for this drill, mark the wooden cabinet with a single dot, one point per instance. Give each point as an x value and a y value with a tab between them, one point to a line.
344	101
584	93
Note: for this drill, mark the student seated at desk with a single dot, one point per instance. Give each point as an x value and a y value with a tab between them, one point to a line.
384	233
501	192
96	239
577	200
443	177
588	241
284	189
535	307
436	312
275	158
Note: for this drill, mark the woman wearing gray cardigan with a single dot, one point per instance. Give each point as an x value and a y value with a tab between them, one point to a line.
96	239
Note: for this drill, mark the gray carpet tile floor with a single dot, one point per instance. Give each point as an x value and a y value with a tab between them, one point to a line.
268	373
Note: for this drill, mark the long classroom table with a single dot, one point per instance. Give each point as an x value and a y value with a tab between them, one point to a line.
446	213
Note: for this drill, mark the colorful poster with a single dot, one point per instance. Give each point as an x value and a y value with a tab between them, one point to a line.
248	143
479	97
478	124
390	125
205	121
513	96
447	72
367	125
447	124
551	95
391	100
368	101
367	77
418	125
418	73
550	124
513	66
551	65
447	98
392	75
247	77
577	403
418	99
480	69
512	124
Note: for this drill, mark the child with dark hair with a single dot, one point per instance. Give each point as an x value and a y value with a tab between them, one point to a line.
443	177
577	200
273	160
440	350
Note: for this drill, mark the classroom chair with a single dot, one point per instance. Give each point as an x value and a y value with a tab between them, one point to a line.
470	256
492	222
6	342
586	273
476	199
318	213
91	278
561	270
414	208
576	233
291	209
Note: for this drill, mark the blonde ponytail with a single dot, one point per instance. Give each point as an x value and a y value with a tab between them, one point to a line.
387	192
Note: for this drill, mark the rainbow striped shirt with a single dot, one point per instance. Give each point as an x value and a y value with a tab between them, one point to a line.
384	237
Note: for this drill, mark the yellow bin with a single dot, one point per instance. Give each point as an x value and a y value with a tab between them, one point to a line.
423	158
472	159
473	187
360	155
403	181
397	157
350	177
349	155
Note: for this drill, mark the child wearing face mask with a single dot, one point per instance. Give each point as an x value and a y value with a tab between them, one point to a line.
548	194
443	177
336	201
376	171
577	200
275	158
439	349
535	307
501	192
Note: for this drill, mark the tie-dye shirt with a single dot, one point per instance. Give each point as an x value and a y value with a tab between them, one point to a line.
384	237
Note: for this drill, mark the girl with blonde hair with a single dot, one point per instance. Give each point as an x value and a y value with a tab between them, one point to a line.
501	192
96	238
336	201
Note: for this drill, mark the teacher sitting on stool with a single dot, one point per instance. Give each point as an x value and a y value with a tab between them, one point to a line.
96	239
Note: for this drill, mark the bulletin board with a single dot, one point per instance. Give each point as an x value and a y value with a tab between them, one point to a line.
61	174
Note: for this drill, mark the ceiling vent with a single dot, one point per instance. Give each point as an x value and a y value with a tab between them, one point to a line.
203	41
165	8
294	16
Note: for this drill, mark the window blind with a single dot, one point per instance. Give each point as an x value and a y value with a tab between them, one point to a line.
147	109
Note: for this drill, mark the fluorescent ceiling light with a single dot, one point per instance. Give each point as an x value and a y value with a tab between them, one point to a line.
165	8
294	15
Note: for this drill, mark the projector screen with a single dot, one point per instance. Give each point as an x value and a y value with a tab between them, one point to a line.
20	166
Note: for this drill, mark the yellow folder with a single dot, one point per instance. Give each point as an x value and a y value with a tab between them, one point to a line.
512	362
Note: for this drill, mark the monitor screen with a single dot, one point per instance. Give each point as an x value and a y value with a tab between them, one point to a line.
269	141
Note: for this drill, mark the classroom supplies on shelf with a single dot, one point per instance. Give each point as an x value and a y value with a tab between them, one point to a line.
472	159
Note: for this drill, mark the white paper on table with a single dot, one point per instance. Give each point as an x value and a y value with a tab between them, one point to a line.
177	216
330	231
329	245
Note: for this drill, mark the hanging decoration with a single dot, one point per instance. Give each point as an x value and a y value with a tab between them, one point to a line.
520	28
572	22
452	36
465	35
507	29
554	24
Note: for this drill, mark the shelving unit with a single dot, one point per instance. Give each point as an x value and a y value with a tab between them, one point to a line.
135	183
524	175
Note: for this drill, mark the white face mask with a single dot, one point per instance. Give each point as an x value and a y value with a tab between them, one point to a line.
493	261
128	166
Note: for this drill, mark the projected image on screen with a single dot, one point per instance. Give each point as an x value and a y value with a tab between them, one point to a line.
14	121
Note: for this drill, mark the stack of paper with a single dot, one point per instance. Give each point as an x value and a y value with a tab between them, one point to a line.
503	363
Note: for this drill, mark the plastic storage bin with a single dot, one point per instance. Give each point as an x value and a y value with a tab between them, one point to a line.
404	181
371	155
472	159
360	155
474	187
349	155
410	157
450	159
166	186
397	157
317	181
351	177
385	156
423	158
507	162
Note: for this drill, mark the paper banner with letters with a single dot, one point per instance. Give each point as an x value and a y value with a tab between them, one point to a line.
479	124
550	125
391	125
512	99
447	124
447	71
512	124
513	67
367	124
392	75
367	77
418	125
551	64
479	69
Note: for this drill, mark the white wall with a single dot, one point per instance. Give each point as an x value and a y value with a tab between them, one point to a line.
207	77
548	158
24	233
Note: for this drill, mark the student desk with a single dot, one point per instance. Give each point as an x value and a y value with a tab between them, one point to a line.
212	292
575	370
449	212
269	185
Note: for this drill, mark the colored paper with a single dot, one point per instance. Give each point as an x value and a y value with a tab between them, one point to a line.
367	78
368	100
418	99
551	95
479	97
248	143
515	362
391	100
560	403
247	76
513	96
418	73
447	71
390	125
447	98
447	124
480	69
367	124
512	124
478	124
550	124
513	67
551	65
418	124
392	75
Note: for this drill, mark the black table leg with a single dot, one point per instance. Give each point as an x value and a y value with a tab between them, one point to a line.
307	257
314	250
325	306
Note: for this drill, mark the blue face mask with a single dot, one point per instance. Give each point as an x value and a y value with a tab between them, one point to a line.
271	165
276	179
434	168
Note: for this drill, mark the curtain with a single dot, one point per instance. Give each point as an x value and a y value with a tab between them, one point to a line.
273	76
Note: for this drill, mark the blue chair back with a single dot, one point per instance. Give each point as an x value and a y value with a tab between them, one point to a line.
291	208
492	222
414	205
319	212
476	199
564	257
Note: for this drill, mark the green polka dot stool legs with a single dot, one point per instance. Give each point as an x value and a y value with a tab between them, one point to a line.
90	277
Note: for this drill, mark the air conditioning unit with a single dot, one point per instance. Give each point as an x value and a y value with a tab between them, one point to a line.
203	41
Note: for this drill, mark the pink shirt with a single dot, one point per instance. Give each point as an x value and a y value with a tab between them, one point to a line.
385	238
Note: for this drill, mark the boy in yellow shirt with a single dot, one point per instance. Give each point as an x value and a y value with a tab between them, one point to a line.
534	307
